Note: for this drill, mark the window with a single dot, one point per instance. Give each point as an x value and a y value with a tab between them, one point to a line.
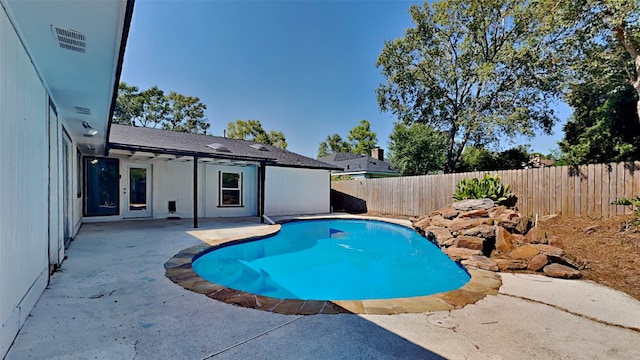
102	186
230	189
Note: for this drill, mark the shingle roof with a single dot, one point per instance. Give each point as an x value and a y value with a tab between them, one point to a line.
164	141
356	162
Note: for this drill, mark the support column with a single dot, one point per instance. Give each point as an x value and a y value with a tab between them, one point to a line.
261	190
195	191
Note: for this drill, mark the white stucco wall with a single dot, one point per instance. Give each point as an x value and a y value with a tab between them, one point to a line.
294	191
24	183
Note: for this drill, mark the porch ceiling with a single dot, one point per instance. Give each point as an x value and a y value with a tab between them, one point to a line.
81	74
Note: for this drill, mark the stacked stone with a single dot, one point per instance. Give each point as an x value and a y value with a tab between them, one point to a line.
483	236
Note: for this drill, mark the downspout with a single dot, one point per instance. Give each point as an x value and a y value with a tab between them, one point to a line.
195	192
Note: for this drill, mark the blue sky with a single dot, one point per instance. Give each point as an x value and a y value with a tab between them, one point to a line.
306	68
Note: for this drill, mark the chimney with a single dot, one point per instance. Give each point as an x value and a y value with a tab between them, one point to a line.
377	154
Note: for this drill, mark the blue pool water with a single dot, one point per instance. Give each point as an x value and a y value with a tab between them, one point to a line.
334	260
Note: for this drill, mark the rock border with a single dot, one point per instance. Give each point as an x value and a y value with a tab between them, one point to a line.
481	235
179	270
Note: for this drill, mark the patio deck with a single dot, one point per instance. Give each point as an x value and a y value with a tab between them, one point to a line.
111	300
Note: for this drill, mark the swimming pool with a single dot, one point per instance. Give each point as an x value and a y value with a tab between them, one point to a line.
334	259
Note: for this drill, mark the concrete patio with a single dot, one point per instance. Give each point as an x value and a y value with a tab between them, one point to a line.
111	300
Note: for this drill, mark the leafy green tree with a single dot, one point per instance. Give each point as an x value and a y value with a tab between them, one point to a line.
478	158
333	144
416	149
362	138
252	130
604	126
476	71
585	25
186	114
152	108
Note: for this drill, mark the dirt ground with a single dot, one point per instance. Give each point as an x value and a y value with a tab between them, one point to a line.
611	249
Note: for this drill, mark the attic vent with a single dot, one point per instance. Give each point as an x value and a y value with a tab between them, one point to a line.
69	39
219	147
259	147
82	110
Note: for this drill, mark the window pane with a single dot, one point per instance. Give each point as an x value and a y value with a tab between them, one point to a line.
102	180
230	180
230	197
138	189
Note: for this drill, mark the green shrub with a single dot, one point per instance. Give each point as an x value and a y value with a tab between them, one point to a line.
487	187
633	204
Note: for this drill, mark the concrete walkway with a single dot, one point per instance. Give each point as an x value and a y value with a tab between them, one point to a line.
111	300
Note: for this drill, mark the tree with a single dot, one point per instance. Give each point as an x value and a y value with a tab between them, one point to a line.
152	108
475	71
585	25
362	138
186	114
604	126
416	149
332	145
478	158
252	130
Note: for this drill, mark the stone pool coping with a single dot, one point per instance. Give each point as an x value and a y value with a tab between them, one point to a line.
179	270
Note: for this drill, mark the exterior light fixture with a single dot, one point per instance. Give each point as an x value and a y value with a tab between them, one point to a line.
90	130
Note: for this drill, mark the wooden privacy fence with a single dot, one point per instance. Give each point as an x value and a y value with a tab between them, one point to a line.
570	191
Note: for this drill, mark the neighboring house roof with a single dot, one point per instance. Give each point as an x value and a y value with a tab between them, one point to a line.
159	141
358	163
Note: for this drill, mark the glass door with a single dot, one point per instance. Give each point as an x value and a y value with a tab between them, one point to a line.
137	190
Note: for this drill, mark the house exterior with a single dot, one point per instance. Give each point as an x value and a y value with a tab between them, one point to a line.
62	162
357	166
159	170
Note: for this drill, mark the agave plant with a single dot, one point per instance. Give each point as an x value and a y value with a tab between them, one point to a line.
487	187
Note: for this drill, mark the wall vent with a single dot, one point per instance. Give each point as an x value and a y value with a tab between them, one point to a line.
82	110
69	39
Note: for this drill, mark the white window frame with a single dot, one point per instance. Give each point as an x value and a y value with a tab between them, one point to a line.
221	189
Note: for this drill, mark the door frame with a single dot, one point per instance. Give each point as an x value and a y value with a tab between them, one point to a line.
126	187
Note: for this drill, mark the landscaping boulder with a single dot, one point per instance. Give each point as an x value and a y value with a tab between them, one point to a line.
474	214
448	213
504	241
457	254
536	236
422	223
484	231
469	242
480	262
525	252
439	220
461	224
561	271
442	234
510	264
473	204
538	262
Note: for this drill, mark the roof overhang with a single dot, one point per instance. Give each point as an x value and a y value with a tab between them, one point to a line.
77	48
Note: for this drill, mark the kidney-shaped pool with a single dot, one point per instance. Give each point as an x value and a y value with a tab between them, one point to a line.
336	259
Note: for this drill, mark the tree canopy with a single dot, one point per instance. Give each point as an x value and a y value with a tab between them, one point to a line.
596	33
416	149
474	71
604	126
252	130
361	140
152	108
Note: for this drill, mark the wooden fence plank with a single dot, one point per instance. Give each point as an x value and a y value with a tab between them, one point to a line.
606	197
597	191
628	183
620	209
